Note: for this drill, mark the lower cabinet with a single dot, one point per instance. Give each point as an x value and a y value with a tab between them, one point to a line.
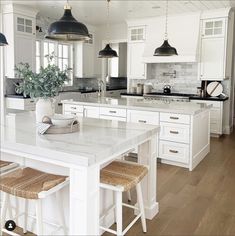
216	116
183	139
27	104
91	111
144	117
172	151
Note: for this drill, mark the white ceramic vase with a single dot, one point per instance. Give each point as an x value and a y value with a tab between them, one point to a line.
44	107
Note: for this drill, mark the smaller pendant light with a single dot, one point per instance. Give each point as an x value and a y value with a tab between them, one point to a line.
3	41
68	28
107	52
165	49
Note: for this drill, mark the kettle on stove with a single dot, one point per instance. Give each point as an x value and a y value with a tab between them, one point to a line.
167	89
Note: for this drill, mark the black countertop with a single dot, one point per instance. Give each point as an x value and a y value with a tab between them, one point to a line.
16	96
92	90
191	96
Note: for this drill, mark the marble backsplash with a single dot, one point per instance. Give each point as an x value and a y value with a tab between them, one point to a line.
185	81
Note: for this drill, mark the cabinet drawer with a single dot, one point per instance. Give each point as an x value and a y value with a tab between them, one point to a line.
79	114
144	117
73	108
175	118
113	118
174	132
174	151
91	111
108	111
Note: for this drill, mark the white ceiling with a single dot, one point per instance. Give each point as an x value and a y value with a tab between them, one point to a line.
95	12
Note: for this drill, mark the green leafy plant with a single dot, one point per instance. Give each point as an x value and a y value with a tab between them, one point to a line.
45	84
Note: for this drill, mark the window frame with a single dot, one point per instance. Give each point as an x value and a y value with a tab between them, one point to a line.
56	52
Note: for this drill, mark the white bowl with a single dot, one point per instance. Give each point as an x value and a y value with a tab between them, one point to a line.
62	120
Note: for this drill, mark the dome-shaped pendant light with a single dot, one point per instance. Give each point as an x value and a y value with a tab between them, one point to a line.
3	41
166	49
68	28
107	52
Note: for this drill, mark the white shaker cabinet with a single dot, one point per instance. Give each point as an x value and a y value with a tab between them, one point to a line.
91	111
136	69
135	66
215	48
84	58
21	37
216	116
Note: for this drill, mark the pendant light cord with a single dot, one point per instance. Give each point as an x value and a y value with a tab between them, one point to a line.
166	25
108	33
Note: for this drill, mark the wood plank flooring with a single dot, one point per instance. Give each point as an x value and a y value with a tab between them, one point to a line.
201	202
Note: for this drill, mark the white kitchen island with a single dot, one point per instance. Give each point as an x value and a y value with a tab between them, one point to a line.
185	127
81	155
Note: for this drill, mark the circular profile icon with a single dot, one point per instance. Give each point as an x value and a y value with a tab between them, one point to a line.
10	225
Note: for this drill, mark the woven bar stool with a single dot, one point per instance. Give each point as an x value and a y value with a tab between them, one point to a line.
31	184
6	166
120	176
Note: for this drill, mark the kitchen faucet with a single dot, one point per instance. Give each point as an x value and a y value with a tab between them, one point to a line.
172	74
100	87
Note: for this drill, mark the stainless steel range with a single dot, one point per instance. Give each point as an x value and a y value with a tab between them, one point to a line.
177	97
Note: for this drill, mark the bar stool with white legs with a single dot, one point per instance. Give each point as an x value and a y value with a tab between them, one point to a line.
7	166
35	185
120	176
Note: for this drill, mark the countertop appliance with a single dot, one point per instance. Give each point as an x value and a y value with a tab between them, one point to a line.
167	89
179	97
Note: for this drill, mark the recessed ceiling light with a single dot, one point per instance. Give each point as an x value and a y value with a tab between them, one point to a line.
156	7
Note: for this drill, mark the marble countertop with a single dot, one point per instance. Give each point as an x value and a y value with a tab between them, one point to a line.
141	104
96	141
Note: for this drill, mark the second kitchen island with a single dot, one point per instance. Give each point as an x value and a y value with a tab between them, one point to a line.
185	127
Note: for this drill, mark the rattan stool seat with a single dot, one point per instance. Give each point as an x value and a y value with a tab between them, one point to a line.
4	163
123	174
28	183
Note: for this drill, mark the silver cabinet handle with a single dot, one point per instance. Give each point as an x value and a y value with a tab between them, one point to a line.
173	151
174	118
74	108
142	121
174	132
73	113
112	112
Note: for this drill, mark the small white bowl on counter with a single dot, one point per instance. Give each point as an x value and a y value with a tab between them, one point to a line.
62	120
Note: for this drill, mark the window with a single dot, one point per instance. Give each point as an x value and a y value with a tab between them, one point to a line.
63	55
38	56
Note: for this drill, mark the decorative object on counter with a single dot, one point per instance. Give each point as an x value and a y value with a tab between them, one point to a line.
68	28
62	120
167	89
50	126
133	90
214	89
148	88
139	89
3	41
44	85
166	49
107	52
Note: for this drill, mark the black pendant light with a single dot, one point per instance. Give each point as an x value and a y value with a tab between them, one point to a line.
3	41
166	49
107	52
68	28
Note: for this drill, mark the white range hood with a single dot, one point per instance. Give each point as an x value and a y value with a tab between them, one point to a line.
183	34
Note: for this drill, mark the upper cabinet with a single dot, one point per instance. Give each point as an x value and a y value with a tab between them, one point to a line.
216	48
84	58
136	69
136	34
21	37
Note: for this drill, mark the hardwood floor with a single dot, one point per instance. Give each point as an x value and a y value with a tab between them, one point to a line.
201	202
